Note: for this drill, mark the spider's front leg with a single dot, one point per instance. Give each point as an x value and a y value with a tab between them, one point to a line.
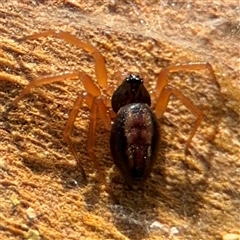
164	91
100	68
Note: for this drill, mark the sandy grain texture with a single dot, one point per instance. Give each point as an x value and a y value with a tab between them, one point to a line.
186	197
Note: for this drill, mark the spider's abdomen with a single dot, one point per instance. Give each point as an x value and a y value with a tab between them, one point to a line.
133	141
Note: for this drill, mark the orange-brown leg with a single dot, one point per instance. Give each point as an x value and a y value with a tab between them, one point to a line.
88	83
100	68
97	105
163	75
163	100
92	91
163	92
68	130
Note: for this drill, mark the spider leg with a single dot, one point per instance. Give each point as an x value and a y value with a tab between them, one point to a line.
98	106
163	100
88	83
100	68
68	130
164	91
163	75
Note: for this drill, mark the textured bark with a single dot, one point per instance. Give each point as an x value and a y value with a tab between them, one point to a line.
196	194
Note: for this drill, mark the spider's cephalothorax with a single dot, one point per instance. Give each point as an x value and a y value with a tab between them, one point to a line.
131	90
135	133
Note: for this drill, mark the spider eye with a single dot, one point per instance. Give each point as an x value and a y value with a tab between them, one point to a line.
133	78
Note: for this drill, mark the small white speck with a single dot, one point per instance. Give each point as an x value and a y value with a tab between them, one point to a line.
173	231
31	213
160	226
156	224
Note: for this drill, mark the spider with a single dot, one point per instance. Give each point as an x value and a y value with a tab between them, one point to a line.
134	131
